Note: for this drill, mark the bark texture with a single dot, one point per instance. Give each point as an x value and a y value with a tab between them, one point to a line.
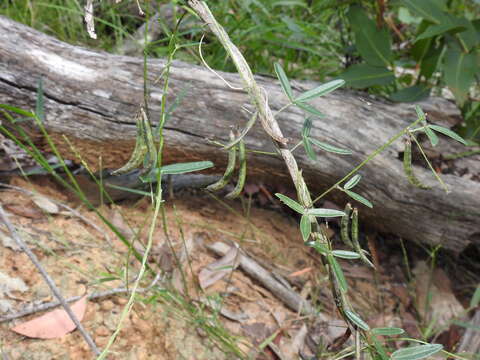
91	98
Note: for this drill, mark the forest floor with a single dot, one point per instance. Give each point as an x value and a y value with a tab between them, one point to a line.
203	309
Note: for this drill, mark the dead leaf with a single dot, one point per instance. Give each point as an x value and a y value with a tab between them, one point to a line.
53	324
24	211
219	269
45	204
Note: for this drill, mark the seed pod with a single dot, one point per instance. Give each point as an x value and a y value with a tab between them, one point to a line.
242	172
344	226
408	168
232	155
356	244
140	150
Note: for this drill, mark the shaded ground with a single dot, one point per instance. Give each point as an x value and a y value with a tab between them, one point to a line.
164	324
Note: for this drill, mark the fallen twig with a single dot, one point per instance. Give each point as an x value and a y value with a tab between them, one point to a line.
289	297
48	280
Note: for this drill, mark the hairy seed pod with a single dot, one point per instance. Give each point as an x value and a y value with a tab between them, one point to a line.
344	226
139	151
242	172
232	155
408	168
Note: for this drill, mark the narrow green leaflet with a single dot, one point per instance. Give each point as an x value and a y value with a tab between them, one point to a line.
17	110
283	81
307	127
360	76
372	43
292	204
431	136
182	168
321	248
380	349
459	72
448	133
320	90
352	182
359	198
357	320
475	300
337	271
344	254
416	352
388	331
305	227
330	148
310	109
420	114
327	213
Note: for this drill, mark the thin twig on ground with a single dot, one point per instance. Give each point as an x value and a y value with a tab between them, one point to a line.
32	309
48	280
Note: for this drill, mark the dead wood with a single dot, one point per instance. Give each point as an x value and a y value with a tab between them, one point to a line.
91	98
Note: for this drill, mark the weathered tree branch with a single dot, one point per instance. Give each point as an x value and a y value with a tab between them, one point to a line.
91	97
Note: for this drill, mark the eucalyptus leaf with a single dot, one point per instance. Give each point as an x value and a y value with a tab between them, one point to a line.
320	90
330	148
292	204
372	43
359	198
411	94
448	133
361	76
416	352
352	182
435	30
459	72
427	9
283	81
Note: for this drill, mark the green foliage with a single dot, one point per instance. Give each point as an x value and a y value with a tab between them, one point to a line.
440	39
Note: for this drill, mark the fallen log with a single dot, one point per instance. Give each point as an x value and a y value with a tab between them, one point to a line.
91	98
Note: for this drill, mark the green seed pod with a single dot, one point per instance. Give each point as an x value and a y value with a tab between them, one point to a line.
356	244
344	226
232	155
408	168
140	150
242	173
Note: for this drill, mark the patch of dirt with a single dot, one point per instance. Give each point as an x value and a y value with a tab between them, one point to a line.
175	319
